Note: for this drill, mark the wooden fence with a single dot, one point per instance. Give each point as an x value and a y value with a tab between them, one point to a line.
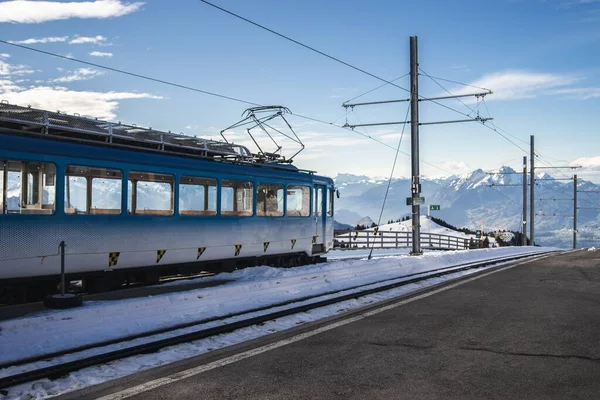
391	240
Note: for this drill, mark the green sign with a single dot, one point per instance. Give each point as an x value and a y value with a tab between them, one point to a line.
434	207
478	234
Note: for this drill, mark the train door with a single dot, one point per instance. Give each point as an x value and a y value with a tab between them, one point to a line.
320	213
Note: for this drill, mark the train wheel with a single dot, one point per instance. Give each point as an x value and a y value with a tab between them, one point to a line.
62	301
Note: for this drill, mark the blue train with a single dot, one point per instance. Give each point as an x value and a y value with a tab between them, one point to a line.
134	204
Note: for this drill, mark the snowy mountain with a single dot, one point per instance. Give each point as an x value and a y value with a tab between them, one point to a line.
479	200
365	221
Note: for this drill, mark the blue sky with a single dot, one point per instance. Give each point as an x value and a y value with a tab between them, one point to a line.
541	59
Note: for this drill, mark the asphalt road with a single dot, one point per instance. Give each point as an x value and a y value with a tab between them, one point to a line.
530	332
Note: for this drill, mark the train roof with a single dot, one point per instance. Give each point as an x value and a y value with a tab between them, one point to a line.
75	128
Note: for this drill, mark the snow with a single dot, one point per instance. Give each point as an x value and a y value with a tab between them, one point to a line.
365	221
427	226
248	289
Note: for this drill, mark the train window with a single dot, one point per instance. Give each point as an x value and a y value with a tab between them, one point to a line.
269	200
92	190
298	201
319	200
236	197
197	196
330	202
150	193
28	187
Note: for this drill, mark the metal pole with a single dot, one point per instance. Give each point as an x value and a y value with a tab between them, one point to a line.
524	229
414	141
62	267
4	209
532	192
574	211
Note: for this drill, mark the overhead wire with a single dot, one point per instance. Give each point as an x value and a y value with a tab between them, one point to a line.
387	190
499	130
458	83
121	71
493	126
253	103
447	91
186	87
327	55
302	44
372	138
378	87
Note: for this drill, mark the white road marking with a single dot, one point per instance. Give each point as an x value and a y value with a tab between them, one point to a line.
135	390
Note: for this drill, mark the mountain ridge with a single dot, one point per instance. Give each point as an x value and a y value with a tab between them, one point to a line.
478	200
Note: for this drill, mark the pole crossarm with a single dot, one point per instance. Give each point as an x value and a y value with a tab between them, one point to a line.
554	179
476	119
346	125
502	185
352	105
505	173
370	103
564	167
571	199
553	215
456	96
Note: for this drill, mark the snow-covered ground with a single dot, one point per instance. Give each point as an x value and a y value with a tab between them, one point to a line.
336	255
250	288
427	226
404	227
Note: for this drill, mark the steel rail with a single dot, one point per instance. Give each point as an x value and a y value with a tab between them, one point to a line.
56	371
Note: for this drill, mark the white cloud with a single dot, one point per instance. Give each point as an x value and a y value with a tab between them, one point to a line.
4	55
100	54
568	4
6	85
51	39
95	104
7	69
592	163
514	85
583	93
103	105
31	12
88	39
456	167
81	74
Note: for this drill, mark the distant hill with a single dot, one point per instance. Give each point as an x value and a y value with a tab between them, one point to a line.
338	226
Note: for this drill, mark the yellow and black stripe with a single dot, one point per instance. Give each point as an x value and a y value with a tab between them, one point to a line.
201	251
238	248
159	255
113	258
265	246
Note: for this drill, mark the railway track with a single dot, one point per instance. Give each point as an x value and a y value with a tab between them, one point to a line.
56	367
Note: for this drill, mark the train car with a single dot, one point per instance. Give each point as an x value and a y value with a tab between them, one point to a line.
133	204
